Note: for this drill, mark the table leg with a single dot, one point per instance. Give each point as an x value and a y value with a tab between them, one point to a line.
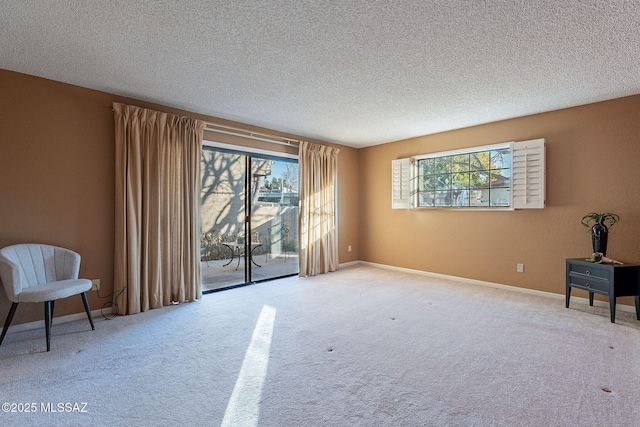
231	260
251	255
612	307
638	307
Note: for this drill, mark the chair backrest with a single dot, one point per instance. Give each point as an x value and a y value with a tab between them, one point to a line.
32	264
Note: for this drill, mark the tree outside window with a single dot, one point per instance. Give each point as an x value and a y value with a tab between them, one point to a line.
475	179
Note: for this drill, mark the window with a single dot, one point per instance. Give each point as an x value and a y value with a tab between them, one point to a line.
505	176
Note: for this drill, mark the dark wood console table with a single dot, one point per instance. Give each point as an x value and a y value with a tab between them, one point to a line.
612	280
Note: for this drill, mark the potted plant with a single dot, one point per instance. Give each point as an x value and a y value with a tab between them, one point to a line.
599	225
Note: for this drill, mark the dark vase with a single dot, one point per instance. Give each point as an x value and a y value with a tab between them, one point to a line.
599	234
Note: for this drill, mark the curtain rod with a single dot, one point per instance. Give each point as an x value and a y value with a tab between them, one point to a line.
230	130
244	133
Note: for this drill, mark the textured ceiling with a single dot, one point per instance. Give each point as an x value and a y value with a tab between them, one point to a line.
355	72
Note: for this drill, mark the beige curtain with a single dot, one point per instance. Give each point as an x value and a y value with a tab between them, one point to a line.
157	255
317	223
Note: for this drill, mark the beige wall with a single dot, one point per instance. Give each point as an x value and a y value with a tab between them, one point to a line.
593	164
57	177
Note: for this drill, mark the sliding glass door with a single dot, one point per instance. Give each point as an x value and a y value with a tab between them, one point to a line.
247	239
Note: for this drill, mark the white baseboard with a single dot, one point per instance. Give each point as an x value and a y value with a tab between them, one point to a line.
96	313
347	264
39	324
621	307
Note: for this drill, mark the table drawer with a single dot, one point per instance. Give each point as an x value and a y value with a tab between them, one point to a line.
590	283
590	271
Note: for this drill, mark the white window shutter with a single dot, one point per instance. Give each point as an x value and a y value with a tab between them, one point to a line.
529	175
401	184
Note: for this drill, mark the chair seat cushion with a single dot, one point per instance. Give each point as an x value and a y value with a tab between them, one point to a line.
54	290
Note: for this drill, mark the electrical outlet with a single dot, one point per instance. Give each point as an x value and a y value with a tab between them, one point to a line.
349	248
520	268
95	285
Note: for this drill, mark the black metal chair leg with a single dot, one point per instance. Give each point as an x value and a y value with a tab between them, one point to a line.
12	311
53	304
47	322
87	309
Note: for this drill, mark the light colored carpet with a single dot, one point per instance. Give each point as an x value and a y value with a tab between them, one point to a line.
360	347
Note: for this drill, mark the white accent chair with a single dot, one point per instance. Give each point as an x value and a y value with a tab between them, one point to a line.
41	273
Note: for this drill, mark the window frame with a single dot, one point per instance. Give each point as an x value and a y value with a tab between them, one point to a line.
527	189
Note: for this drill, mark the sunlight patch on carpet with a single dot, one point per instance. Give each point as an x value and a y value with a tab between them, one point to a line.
244	405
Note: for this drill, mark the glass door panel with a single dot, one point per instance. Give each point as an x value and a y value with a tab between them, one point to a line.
222	219
274	218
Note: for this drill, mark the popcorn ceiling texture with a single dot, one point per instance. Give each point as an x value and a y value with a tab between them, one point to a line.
356	72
